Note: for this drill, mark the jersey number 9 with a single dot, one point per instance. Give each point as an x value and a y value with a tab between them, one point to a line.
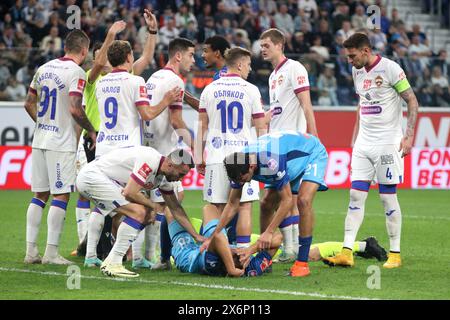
111	114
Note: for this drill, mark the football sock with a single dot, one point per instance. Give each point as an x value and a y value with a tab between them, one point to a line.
95	226
360	246
82	214
55	223
151	238
303	250
243	241
286	231
137	246
295	232
164	239
332	248
126	235
231	229
393	213
34	217
355	213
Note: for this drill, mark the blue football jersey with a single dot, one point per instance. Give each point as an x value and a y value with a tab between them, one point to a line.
220	73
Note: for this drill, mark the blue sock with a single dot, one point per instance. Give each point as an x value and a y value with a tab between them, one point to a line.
303	248
164	238
231	229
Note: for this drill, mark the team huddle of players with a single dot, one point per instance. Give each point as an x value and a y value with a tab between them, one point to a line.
135	148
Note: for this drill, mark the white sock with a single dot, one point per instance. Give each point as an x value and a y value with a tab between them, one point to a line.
95	226
393	220
295	235
151	240
242	244
287	239
126	235
82	215
361	246
55	223
137	246
34	217
355	216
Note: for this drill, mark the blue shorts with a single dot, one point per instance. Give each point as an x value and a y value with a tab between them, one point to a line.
258	264
186	252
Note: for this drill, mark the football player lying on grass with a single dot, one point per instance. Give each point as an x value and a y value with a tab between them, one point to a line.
219	259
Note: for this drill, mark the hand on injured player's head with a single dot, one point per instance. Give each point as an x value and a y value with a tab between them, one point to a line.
173	95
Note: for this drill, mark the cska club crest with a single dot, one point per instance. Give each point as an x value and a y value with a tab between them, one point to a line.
280	80
378	81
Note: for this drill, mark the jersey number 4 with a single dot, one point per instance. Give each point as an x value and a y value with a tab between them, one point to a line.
45	102
227	113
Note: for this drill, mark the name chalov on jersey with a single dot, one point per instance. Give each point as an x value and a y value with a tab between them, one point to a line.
230	103
380	103
118	94
54	83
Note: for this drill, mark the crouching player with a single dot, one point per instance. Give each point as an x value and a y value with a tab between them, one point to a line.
219	259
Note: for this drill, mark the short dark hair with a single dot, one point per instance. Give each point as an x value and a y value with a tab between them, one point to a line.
179	44
218	43
97	45
75	41
234	54
118	52
182	157
357	41
237	164
275	35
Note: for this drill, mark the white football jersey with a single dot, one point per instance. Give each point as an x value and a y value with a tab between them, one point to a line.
138	163
230	103
380	104
119	93
53	83
289	78
159	133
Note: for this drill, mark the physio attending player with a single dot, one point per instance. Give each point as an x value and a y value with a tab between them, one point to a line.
380	142
290	109
286	162
229	107
123	102
165	131
114	183
59	86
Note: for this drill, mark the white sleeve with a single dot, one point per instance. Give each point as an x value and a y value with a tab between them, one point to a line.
203	101
77	82
257	106
395	73
299	78
179	103
143	167
140	92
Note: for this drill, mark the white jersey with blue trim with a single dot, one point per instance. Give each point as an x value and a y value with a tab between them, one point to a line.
230	103
119	93
54	83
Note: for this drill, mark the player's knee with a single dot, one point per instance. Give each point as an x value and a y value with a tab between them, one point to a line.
357	196
42	196
139	214
304	202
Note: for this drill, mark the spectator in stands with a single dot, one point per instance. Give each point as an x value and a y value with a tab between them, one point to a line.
299	44
225	28
56	40
183	17
269	5
359	19
190	31
441	62
7	21
424	89
322	51
339	15
168	32
223	13
384	21
346	31
417	32
378	40
264	21
327	85
283	20
324	33
232	6
208	30
423	51
15	91
395	18
8	36
241	39
25	74
166	16
441	87
34	20
54	21
344	79
247	21
309	7
16	11
4	73
337	45
206	12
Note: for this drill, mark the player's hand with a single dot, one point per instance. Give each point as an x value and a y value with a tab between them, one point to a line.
244	255
205	245
93	136
201	168
406	145
200	238
150	20
172	96
264	240
118	27
236	272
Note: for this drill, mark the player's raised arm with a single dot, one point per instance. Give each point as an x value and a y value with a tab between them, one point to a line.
180	215
413	108
102	58
149	48
30	104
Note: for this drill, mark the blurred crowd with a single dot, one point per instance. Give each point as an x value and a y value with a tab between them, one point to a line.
32	32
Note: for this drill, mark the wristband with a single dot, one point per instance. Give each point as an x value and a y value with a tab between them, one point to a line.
152	31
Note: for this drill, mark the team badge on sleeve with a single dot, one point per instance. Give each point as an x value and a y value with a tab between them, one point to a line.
142	91
145	171
81	84
301	80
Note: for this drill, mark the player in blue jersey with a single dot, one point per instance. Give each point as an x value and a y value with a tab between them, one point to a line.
219	259
286	161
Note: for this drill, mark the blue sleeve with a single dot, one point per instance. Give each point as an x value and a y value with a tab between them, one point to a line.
235	185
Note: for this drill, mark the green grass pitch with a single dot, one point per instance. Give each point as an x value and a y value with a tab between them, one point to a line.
424	274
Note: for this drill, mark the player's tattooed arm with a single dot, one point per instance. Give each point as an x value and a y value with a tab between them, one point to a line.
413	109
180	215
192	101
30	105
77	112
305	102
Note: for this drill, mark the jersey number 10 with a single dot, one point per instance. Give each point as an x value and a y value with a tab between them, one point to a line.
226	113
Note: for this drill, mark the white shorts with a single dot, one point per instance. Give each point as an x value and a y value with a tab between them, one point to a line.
156	196
383	164
53	171
104	192
81	159
216	188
